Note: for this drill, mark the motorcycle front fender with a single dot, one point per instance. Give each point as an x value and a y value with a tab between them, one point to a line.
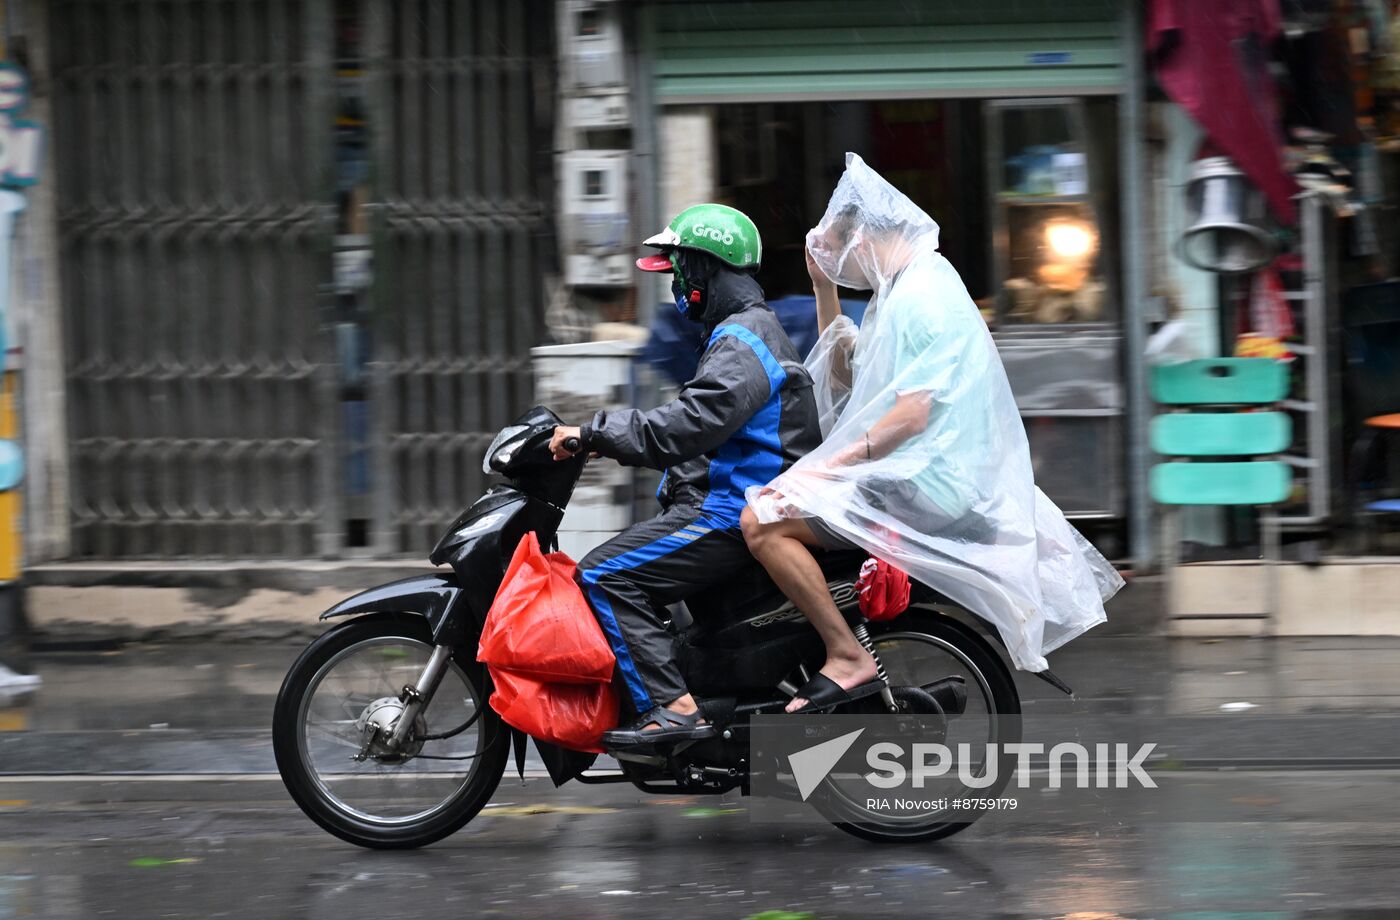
436	596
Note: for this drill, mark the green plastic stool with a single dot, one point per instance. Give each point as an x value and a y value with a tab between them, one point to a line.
1214	440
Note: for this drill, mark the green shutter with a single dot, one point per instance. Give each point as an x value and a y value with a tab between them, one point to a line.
800	49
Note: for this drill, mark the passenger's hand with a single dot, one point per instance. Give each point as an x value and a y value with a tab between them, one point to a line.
820	282
556	442
777	502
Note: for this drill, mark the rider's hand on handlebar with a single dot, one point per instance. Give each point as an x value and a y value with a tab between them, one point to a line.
565	442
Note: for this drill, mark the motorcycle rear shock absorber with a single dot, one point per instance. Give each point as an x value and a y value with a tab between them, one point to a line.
863	637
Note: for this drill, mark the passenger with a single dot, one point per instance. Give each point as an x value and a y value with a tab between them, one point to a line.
925	462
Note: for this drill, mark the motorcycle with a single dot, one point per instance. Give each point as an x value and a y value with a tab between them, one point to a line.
383	732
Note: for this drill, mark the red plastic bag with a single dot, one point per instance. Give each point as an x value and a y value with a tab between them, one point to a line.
550	663
884	590
569	715
540	626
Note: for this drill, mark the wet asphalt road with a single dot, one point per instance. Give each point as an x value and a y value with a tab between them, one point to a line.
135	785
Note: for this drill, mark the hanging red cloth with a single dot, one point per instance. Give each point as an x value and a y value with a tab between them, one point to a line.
1211	58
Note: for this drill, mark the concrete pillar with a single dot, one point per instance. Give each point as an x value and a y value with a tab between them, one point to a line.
688	156
689	167
38	311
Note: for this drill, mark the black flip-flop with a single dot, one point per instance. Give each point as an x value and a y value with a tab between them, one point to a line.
821	693
673	726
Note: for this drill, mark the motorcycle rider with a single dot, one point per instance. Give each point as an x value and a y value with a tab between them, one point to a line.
748	414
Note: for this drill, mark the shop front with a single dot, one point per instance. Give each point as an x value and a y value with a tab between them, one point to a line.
1002	120
1290	228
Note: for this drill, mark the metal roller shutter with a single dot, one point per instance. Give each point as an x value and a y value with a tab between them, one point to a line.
785	50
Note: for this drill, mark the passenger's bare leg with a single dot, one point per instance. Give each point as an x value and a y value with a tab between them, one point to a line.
782	548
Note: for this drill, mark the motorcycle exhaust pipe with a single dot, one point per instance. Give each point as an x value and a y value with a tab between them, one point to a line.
950	693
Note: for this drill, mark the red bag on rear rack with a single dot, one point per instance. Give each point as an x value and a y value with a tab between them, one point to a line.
550	663
540	626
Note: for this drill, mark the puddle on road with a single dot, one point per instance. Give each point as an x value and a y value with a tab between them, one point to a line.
524	811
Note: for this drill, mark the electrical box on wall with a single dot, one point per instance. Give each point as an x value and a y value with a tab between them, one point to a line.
608	110
593	217
582	270
592	38
594	200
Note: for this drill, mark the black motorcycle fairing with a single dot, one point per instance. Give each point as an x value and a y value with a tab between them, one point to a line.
748	609
480	559
752	669
493	500
536	472
745	636
532	468
435	596
539	417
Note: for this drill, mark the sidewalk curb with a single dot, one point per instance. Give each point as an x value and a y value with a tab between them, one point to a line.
149	602
160	602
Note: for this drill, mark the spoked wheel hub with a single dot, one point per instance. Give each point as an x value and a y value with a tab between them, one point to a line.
375	727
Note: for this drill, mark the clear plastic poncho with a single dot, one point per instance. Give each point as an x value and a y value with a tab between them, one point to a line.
948	494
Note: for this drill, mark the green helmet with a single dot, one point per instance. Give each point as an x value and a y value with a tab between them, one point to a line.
722	231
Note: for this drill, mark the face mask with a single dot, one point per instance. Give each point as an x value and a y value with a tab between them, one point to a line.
690	309
679	289
679	278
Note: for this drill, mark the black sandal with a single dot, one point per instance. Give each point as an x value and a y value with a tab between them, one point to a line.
821	693
673	726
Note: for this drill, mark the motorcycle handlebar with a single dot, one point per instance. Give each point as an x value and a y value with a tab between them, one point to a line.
573	445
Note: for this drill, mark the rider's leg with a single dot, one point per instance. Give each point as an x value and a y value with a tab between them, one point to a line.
629	578
783	550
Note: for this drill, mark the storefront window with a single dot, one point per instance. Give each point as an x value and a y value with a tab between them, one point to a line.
1047	236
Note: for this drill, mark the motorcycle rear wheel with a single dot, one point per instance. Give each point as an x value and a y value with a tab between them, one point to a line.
317	783
984	666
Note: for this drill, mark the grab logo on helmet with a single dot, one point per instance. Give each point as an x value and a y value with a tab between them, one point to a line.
719	236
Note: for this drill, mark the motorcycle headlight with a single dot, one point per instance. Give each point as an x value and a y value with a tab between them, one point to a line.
502	448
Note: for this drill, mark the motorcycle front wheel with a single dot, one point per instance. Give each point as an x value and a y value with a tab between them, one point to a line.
323	735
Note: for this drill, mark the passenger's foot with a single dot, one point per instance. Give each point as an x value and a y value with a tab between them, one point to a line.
847	674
